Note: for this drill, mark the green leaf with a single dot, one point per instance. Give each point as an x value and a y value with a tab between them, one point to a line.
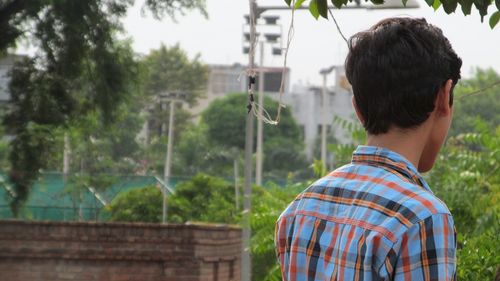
466	6
337	3
323	8
377	2
288	2
299	3
494	19
449	6
482	6
497	3
436	5
430	3
313	8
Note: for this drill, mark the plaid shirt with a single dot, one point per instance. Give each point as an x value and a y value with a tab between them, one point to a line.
373	219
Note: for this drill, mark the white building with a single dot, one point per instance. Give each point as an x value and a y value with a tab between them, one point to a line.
306	105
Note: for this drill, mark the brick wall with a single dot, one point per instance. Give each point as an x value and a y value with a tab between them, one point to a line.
35	251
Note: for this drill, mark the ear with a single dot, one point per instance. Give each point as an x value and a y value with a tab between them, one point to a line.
443	107
358	113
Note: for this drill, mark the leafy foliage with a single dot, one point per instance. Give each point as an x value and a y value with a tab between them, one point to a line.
267	205
170	70
80	66
50	100
195	154
320	7
478	257
343	152
469	108
203	198
137	205
283	144
466	177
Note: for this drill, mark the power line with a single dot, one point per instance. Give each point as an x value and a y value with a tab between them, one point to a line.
480	91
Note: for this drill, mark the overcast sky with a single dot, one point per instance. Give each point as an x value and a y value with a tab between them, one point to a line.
316	44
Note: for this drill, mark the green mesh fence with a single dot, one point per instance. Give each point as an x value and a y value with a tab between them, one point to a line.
51	199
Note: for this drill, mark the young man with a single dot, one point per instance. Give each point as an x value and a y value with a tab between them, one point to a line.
376	218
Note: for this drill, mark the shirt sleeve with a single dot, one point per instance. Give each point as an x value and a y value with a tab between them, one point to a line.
427	251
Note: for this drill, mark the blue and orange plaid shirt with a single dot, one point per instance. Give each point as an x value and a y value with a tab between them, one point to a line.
373	219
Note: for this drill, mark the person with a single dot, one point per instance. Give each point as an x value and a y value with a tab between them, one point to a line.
377	218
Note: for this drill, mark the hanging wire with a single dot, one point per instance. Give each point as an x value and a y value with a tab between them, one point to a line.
254	106
250	71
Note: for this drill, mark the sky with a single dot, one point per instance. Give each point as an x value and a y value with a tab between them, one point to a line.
316	43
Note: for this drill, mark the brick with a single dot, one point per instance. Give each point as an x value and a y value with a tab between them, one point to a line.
75	251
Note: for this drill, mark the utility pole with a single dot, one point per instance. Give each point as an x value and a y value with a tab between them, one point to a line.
255	12
236	186
66	157
324	109
246	265
66	166
323	120
172	98
260	135
168	158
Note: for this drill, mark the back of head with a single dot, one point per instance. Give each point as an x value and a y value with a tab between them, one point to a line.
396	69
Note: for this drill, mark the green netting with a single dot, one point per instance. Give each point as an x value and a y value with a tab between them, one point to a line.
51	199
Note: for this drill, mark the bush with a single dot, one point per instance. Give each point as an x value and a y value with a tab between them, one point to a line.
205	199
137	205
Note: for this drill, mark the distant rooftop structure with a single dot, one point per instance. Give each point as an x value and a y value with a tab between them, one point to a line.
226	79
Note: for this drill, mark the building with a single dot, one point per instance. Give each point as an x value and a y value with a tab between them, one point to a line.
227	79
304	101
306	105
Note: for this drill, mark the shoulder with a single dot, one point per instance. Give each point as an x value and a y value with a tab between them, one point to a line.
408	202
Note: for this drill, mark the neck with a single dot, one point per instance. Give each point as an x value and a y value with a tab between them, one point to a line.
409	143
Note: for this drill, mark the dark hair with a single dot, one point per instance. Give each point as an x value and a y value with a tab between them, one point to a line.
396	69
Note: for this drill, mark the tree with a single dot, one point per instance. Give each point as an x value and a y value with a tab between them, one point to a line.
170	70
320	7
484	105
194	154
51	101
283	144
79	66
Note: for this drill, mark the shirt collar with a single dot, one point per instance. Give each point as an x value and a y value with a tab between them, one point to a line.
378	156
